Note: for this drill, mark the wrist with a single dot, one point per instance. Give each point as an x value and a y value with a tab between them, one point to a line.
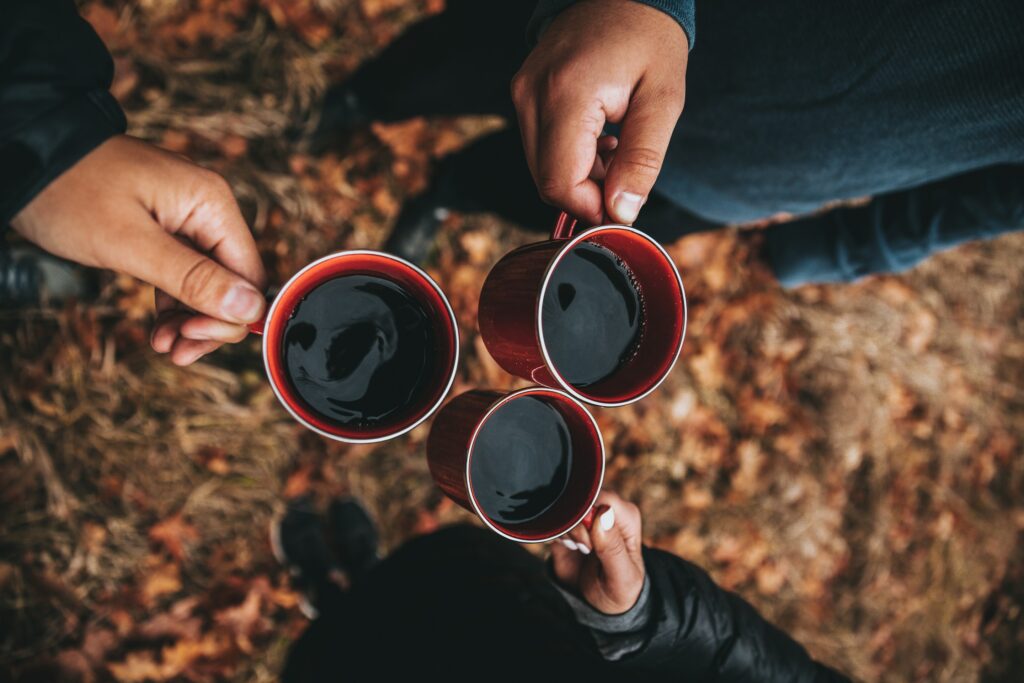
616	635
682	11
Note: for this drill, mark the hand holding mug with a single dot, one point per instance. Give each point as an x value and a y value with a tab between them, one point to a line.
599	62
604	564
136	209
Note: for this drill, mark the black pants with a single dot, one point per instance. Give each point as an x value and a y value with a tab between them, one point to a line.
460	601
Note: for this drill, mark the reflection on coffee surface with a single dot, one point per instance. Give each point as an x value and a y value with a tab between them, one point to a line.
521	459
358	349
592	315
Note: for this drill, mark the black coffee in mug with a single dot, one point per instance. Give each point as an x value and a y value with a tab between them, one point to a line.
521	460
591	315
358	349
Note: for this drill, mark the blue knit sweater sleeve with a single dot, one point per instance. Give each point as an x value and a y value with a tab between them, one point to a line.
680	10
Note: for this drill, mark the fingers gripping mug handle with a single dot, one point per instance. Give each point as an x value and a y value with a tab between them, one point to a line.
564	227
257	327
588	519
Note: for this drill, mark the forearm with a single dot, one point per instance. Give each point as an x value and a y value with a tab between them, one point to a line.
680	10
617	635
895	231
54	102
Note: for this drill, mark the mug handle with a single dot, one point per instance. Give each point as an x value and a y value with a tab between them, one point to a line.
564	226
588	519
257	327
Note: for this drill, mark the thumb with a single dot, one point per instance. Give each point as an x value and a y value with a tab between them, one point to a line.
195	280
646	130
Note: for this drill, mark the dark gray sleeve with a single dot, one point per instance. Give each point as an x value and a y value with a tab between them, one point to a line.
54	102
680	10
616	635
895	231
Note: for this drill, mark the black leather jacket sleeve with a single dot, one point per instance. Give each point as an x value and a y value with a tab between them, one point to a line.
54	102
697	631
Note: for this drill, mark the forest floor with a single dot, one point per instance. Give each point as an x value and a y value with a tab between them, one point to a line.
847	458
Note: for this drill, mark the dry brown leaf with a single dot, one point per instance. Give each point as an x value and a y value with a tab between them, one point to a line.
98	643
167	625
174	534
919	330
175	660
107	25
74	666
406	138
479	247
214	459
769	578
284	597
762	414
7	573
688	544
304	17
244	621
233	146
745	481
93	537
138	667
160	580
374	9
298	482
178	657
384	201
708	366
696	497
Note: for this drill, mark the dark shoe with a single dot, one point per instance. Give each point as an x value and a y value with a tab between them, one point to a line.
325	554
31	278
300	544
354	537
342	112
19	281
417	226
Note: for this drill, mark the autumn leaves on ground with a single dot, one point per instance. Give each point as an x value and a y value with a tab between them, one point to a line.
846	458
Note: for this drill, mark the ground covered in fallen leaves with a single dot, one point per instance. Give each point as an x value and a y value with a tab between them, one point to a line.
847	458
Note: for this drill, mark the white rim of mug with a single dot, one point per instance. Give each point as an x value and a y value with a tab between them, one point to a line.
451	318
548	274
469	456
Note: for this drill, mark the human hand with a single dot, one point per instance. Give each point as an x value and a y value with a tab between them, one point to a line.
604	564
601	61
136	209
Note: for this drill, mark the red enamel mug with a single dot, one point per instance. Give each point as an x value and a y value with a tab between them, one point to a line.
511	320
416	284
450	455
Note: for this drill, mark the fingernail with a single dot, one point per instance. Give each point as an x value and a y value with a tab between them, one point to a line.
583	549
242	303
569	544
608	520
627	206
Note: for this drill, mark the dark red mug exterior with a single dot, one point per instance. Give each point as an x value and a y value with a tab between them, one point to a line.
361	262
512	328
450	448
